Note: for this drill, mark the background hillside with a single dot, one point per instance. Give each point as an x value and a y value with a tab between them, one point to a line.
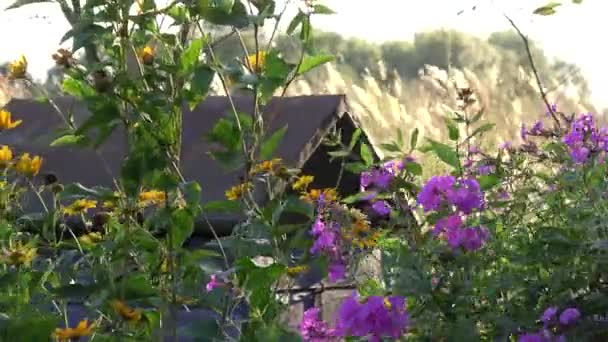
401	85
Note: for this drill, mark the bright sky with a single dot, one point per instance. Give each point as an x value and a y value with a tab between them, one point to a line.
571	34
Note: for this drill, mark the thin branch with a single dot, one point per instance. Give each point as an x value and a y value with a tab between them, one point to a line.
317	289
543	94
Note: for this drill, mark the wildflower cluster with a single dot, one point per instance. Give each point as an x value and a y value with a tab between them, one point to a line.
314	329
554	325
380	179
374	317
585	139
459	198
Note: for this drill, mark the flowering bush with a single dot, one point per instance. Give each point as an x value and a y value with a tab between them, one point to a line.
472	254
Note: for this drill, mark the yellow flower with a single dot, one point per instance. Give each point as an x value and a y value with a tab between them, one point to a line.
6	156
152	197
360	233
18	255
79	206
257	65
126	312
146	55
28	166
6	122
295	270
238	191
388	304
267	166
303	182
91	238
329	194
18	69
68	334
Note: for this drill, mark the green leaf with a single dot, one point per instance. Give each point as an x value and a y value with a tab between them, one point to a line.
237	16
20	3
295	22
446	153
69	140
192	193
482	129
367	155
225	133
322	9
225	206
311	62
362	196
135	287
453	132
577	1
182	227
414	139
413	168
199	86
400	141
392	147
354	139
77	88
487	182
257	281
548	9
276	72
224	5
269	146
77	190
189	58
355	167
297	206
339	153
79	291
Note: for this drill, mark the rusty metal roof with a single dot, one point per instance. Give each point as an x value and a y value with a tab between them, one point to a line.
308	118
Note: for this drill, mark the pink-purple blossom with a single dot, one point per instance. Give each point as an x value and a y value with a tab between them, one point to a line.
381	208
433	194
313	329
375	317
569	316
213	283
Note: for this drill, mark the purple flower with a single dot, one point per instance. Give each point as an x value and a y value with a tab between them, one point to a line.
474	149
485	170
381	208
538	337
537	128
471	238
523	133
569	316
447	224
553	108
376	317
383	179
318	227
336	271
467	196
326	242
365	180
507	145
432	194
313	329
579	154
549	315
213	283
474	238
